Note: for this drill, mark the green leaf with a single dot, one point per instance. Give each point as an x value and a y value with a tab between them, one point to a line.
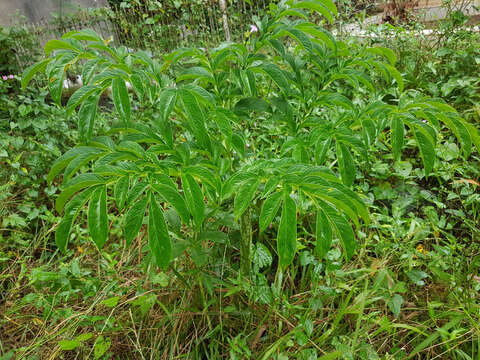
223	122
343	230
261	256
244	197
251	104
427	150
89	70
320	35
287	232
323	234
396	136
83	35
136	191
417	277
84	337
59	45
134	219
55	84
475	136
121	99
194	197
345	164
238	143
195	72
395	304
166	104
269	210
101	346
71	212
173	198
120	191
78	183
321	149
325	8
63	161
111	302
158	238
396	75
301	37
80	95
68	345
137	84
195	118
87	115
277	75
97	216
204	176
30	72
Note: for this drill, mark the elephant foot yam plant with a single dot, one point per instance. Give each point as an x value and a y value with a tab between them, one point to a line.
259	137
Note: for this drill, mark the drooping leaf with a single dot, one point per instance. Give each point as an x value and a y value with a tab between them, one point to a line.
80	95
396	136
342	228
121	99
30	72
287	232
120	191
55	44
196	118
324	8
321	149
194	197
269	210
427	150
277	75
71	212
324	234
97	216
158	238
87	115
173	198
244	196
76	184
345	164
63	161
250	104
166	104
134	219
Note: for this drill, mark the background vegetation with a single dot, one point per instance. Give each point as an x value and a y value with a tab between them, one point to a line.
409	291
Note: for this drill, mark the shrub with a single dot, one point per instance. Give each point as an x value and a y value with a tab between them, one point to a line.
240	132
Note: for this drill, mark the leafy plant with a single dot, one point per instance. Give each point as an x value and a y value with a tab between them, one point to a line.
242	129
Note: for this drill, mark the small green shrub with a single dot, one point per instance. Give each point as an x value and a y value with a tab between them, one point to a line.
239	134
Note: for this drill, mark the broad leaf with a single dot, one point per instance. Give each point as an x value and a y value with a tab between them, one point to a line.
158	238
97	216
134	219
287	232
324	234
121	99
269	210
244	197
194	197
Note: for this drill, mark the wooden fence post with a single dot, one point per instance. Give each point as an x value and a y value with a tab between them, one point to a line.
226	28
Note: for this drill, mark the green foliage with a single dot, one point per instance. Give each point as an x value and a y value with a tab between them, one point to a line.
316	93
18	47
266	124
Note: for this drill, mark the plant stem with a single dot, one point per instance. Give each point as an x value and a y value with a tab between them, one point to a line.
245	243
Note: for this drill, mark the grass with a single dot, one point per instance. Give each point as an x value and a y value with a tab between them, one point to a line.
145	314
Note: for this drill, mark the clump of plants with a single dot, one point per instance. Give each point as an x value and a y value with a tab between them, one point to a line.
239	143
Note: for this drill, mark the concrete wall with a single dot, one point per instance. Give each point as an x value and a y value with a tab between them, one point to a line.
38	10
